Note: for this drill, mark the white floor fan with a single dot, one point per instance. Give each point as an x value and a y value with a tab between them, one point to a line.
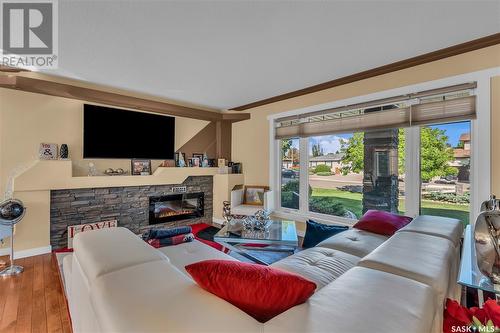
11	212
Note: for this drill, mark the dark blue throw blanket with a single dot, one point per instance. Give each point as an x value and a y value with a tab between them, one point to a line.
166	233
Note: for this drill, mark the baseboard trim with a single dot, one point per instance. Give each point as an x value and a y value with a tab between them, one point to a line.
26	253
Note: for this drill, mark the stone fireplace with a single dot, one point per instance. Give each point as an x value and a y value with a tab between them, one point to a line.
131	206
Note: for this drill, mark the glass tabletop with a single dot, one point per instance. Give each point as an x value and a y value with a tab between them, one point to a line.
470	275
276	233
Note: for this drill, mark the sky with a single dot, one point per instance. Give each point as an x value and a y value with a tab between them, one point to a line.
331	143
454	130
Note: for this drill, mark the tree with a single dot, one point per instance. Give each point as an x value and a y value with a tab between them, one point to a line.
354	153
401	151
317	150
435	154
286	144
434	157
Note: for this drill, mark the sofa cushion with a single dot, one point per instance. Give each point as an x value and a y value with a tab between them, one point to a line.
188	253
451	229
362	300
106	250
353	241
317	232
318	264
261	291
423	258
382	223
157	297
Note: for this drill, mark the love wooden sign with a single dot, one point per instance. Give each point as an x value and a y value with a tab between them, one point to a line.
75	229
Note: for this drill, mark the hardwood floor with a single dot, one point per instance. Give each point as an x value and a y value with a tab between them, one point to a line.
34	300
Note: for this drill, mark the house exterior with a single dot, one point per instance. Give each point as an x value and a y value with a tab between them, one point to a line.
462	157
334	161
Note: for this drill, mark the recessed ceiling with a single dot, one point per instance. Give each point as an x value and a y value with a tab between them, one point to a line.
223	54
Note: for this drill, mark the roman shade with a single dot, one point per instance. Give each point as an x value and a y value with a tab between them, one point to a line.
449	104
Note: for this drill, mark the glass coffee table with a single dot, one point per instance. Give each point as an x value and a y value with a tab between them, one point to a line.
278	236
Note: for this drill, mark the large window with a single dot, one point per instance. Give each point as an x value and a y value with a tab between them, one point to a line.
445	152
410	156
351	173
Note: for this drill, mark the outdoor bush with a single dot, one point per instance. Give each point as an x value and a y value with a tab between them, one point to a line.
312	170
324	173
288	200
326	205
293	186
448	197
322	168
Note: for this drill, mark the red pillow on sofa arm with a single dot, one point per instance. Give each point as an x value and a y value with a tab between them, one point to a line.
261	291
383	223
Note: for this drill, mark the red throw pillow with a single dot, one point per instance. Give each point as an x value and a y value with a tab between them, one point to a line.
261	291
383	223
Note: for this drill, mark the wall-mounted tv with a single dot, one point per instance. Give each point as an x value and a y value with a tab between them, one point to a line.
116	133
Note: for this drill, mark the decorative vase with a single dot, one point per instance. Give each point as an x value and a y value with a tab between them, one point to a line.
486	240
182	163
64	151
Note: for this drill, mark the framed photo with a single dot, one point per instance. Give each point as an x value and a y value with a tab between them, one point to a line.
194	162
212	162
254	195
199	156
48	151
141	167
221	162
177	159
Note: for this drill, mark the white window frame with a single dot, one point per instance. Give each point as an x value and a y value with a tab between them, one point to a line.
480	177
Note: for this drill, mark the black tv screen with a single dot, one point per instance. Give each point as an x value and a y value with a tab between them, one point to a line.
116	133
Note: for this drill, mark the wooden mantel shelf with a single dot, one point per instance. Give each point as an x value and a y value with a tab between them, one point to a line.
57	175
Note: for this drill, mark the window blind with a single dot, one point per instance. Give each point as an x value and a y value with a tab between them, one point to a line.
447	104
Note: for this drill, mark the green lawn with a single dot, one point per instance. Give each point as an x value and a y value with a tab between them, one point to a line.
352	202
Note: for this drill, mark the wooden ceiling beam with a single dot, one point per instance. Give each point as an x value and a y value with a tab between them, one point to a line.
112	99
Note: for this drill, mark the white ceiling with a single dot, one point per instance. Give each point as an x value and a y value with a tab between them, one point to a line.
224	54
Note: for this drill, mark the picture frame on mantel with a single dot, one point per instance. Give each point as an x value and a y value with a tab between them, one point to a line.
198	156
48	151
194	162
140	167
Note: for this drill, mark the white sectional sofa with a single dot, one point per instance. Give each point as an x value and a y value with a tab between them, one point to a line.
365	283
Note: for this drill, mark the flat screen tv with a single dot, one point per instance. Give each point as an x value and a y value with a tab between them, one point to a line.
116	133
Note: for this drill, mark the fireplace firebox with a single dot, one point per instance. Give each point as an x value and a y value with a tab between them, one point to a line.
174	207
